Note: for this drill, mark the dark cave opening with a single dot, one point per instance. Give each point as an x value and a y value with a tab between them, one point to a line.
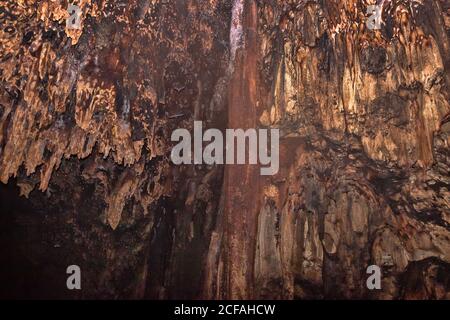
32	264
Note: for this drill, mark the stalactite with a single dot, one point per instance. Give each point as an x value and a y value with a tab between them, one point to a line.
86	117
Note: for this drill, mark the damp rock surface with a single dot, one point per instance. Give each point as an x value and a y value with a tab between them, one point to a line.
86	117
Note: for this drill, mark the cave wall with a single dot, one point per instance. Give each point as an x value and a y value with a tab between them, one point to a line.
85	123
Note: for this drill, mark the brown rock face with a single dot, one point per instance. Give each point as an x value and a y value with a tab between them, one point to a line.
86	117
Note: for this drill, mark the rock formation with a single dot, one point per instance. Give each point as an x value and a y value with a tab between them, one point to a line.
86	117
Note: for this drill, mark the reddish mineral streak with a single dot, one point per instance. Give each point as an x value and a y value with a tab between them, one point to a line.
241	183
85	123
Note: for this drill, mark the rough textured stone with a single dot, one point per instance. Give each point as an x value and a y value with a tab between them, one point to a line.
85	123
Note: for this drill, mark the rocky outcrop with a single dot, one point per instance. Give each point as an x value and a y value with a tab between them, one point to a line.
86	118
